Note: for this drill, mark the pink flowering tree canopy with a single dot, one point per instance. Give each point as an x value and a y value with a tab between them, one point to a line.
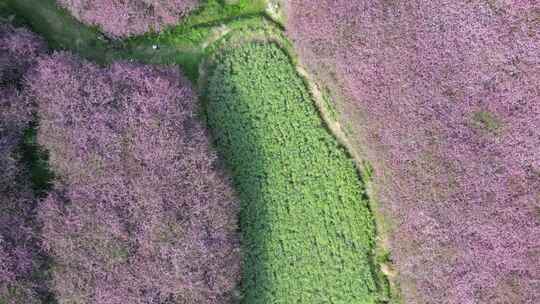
21	259
121	18
140	212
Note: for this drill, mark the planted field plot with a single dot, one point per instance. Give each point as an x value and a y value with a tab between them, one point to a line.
307	231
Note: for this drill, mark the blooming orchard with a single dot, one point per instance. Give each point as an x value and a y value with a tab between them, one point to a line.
444	99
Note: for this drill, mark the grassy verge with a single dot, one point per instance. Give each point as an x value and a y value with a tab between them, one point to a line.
182	45
59	29
308	233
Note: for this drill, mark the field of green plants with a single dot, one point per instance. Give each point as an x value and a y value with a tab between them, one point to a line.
308	233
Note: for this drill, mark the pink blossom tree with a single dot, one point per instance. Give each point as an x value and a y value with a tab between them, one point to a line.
20	254
141	212
120	18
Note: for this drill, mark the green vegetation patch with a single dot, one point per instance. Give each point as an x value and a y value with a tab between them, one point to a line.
308	233
486	121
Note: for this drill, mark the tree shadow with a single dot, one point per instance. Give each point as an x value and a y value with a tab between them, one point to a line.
34	159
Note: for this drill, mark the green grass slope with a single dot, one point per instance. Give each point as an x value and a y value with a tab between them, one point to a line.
308	233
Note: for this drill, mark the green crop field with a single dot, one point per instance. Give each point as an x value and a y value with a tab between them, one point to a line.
308	234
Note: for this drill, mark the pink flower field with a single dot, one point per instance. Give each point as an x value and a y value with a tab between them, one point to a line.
444	99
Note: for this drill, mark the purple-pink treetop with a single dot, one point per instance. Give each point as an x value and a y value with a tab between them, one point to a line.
19	246
444	97
123	18
141	212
